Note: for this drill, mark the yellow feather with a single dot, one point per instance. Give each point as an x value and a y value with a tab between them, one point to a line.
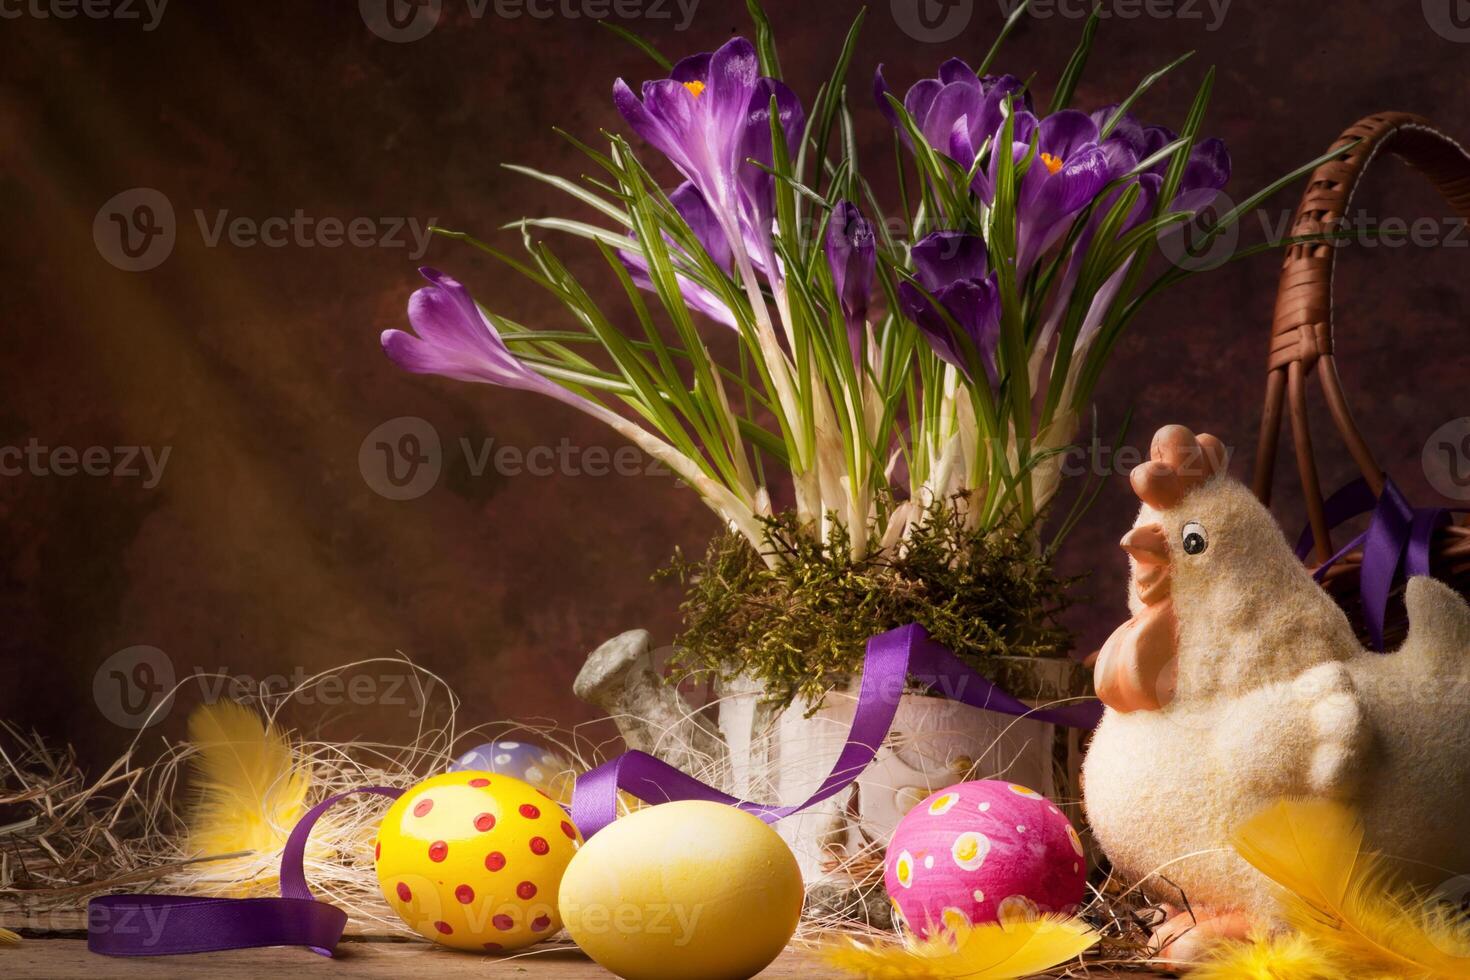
8	938
986	952
1290	956
250	791
1343	901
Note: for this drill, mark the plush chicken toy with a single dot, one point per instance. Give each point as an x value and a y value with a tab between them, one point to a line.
1239	681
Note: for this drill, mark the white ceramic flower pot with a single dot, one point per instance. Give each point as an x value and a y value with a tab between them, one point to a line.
784	756
781	757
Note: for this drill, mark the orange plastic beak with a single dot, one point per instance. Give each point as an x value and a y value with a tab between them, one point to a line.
1147	545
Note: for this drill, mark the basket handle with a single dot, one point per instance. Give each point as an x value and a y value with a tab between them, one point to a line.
1301	334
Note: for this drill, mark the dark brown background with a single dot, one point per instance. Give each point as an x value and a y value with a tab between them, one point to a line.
264	549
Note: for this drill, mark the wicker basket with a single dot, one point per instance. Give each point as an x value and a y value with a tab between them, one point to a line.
1301	345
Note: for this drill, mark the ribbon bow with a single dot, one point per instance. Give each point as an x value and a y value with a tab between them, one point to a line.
892	658
158	925
1397	544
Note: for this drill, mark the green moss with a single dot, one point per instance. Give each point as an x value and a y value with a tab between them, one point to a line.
803	626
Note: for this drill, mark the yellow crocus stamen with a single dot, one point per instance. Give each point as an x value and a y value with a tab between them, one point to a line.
1053	164
696	88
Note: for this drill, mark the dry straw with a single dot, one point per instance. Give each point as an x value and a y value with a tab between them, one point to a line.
75	836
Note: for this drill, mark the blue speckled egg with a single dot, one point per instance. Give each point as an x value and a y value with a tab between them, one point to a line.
542	768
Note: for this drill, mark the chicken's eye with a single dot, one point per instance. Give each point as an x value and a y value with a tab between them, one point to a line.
1195	539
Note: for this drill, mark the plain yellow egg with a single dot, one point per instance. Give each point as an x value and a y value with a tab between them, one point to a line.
683	890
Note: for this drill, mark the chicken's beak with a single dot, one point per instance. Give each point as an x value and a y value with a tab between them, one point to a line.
1147	544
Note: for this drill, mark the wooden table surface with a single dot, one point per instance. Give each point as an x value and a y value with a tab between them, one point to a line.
68	959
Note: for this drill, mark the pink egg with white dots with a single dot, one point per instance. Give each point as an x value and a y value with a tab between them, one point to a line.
981	852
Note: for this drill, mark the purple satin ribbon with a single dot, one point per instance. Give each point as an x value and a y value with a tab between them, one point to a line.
162	925
1397	545
892	659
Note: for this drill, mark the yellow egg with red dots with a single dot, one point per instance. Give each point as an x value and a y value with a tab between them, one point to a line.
474	860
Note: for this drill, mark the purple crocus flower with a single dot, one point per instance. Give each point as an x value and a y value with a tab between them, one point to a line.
696	212
1128	144
708	117
758	186
1125	146
852	255
1205	174
956	111
1130	136
1069	170
1149	185
457	341
954	268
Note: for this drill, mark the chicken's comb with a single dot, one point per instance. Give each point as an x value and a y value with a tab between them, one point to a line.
1180	462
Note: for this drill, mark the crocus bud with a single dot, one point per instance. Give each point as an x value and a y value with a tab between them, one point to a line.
852	254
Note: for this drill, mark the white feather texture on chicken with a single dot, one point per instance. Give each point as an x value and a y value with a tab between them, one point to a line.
1258	689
